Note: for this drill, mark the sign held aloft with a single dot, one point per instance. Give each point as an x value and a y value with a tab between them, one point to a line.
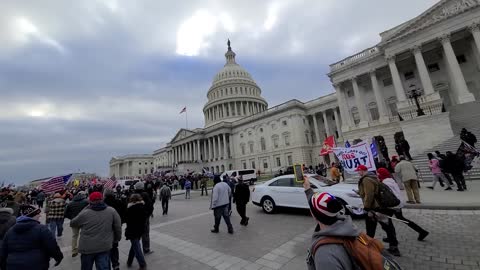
354	156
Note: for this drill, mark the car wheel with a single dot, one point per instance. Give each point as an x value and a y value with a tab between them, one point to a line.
268	205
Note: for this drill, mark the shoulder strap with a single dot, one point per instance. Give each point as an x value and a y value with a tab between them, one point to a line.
327	241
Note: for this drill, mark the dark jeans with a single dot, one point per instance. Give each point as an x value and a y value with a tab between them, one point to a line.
146	237
56	225
242	209
459	180
206	191
398	214
407	154
114	256
101	260
371	227
40	204
196	184
136	251
447	175
218	213
165	205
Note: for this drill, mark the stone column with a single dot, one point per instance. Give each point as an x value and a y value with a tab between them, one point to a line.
198	151
230	147
214	143
422	70
315	125
460	86
360	104
224	110
225	154
397	82
344	111
337	123
325	122
382	110
475	30
210	150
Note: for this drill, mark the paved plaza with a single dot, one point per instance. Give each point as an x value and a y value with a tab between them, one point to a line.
182	240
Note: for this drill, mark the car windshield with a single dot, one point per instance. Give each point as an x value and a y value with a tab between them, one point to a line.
323	181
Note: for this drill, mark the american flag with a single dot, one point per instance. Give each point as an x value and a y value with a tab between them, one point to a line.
183	110
111	183
55	184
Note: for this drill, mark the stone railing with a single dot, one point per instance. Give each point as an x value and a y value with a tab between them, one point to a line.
431	105
354	58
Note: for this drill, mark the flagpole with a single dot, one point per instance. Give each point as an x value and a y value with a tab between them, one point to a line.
186	118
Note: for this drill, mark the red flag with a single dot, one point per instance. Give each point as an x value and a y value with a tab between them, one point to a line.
328	144
183	110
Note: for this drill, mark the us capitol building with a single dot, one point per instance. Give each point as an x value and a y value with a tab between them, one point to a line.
435	55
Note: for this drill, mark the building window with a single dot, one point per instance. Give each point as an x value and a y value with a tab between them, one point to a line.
372	107
261	130
242	146
284	122
251	148
433	67
387	81
146	163
286	138
392	106
146	171
355	115
265	164
249	133
139	164
289	160
140	171
275	141
461	59
151	170
409	75
279	163
263	144
349	93
244	164
253	164
241	135
274	126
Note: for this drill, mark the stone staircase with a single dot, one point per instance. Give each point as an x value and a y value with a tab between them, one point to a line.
461	116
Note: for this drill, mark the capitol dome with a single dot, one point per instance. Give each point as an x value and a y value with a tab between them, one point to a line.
233	94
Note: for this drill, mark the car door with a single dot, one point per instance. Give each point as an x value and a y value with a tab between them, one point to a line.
282	190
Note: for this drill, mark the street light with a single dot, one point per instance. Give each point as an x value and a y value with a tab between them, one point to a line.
414	94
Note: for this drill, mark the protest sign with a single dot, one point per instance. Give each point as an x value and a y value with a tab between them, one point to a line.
354	156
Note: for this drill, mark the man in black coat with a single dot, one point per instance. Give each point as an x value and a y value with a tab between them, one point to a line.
139	189
72	210
120	206
241	197
455	166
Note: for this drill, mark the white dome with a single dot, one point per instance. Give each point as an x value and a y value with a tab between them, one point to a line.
233	94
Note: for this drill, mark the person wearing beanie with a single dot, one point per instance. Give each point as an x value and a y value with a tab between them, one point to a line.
385	177
100	227
71	211
29	245
56	214
7	220
328	213
139	189
220	200
367	189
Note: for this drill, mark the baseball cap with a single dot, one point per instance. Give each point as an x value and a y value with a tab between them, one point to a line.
361	168
95	196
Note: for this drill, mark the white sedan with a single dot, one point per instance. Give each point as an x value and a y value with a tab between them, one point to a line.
284	191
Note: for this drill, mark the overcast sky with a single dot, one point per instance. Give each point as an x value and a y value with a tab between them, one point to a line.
82	81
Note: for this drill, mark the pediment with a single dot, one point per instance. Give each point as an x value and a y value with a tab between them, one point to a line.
441	11
181	134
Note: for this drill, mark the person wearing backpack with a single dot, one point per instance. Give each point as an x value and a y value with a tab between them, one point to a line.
377	206
438	175
385	177
336	242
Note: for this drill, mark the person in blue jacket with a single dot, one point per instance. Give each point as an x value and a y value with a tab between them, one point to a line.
29	245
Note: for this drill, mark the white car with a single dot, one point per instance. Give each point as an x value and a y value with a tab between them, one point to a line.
284	191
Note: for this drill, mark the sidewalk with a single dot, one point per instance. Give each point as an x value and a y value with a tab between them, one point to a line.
448	200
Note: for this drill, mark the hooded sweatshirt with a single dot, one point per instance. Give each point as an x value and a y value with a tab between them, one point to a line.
76	206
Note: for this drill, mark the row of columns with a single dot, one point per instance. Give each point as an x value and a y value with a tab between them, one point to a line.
236	108
457	79
212	148
328	131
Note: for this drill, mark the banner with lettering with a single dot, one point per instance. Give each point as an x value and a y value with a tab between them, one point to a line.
354	156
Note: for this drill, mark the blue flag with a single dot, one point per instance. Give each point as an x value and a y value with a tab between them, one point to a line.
347	144
373	148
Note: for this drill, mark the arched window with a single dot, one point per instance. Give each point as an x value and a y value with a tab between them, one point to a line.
242	148
355	115
373	109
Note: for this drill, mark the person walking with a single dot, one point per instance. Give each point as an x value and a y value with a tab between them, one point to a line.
408	174
442	164
385	177
71	211
227	179
29	245
56	214
204	184
149	206
368	189
116	202
438	175
241	197
335	173
175	184
455	166
188	188
40	198
165	194
136	217
100	227
220	199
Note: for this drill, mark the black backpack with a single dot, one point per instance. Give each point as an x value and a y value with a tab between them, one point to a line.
385	196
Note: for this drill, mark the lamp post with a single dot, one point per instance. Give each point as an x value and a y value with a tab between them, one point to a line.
414	94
